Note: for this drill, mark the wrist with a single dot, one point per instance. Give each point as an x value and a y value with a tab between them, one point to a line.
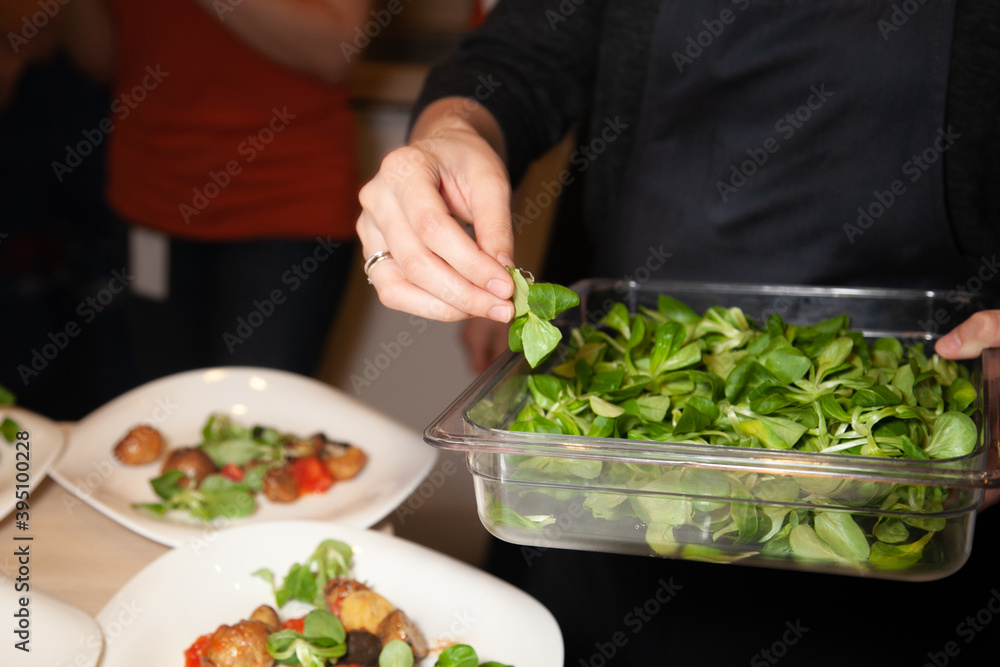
458	114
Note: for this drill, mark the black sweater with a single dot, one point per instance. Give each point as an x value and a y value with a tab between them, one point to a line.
548	67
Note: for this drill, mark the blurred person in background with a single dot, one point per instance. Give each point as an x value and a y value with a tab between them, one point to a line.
232	168
722	141
61	357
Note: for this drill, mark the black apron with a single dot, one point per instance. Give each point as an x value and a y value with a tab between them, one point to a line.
792	142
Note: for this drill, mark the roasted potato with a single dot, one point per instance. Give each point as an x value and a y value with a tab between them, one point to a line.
398	625
193	462
143	444
337	589
342	460
241	645
364	610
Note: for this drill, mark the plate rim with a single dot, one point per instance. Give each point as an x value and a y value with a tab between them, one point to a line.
51	455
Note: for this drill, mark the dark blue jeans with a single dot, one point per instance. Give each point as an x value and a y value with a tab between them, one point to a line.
267	303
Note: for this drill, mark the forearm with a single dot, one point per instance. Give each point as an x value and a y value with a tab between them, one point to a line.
458	113
534	78
87	32
309	36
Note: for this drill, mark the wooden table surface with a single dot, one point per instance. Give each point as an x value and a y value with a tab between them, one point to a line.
77	554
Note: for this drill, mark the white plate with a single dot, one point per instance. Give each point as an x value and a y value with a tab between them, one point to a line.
178	406
187	593
43	446
60	634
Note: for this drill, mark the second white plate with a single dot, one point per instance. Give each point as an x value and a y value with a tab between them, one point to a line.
178	405
187	593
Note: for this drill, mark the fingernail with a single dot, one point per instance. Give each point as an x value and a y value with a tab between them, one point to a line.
949	343
506	260
500	288
501	313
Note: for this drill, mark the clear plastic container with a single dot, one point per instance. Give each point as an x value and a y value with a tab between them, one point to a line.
729	504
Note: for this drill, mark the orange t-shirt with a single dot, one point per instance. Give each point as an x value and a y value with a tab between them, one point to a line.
210	140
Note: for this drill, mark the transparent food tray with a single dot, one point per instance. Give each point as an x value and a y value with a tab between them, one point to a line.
730	504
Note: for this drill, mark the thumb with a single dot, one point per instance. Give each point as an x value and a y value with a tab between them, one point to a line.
968	339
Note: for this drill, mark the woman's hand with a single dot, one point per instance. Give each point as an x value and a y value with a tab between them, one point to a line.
967	341
451	169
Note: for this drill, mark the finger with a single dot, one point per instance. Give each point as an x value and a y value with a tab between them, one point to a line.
421	237
418	281
430	272
484	198
396	292
971	337
433	225
490	208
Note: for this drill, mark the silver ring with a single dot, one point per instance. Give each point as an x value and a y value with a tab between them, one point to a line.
375	259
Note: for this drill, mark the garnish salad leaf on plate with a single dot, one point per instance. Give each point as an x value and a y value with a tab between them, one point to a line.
323	637
305	581
8	427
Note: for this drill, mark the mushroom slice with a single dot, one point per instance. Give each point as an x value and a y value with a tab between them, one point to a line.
397	625
241	645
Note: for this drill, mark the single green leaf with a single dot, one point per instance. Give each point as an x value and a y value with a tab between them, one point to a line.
603	408
898	556
833	355
168	484
668	340
676	310
515	335
875	397
890	531
396	653
547	300
842	534
540	338
321	624
458	655
960	394
618	319
807	545
239	452
298	584
521	288
9	429
954	434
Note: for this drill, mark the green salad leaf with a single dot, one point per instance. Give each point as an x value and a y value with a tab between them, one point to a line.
462	655
216	496
8	427
396	653
305	581
535	306
322	638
